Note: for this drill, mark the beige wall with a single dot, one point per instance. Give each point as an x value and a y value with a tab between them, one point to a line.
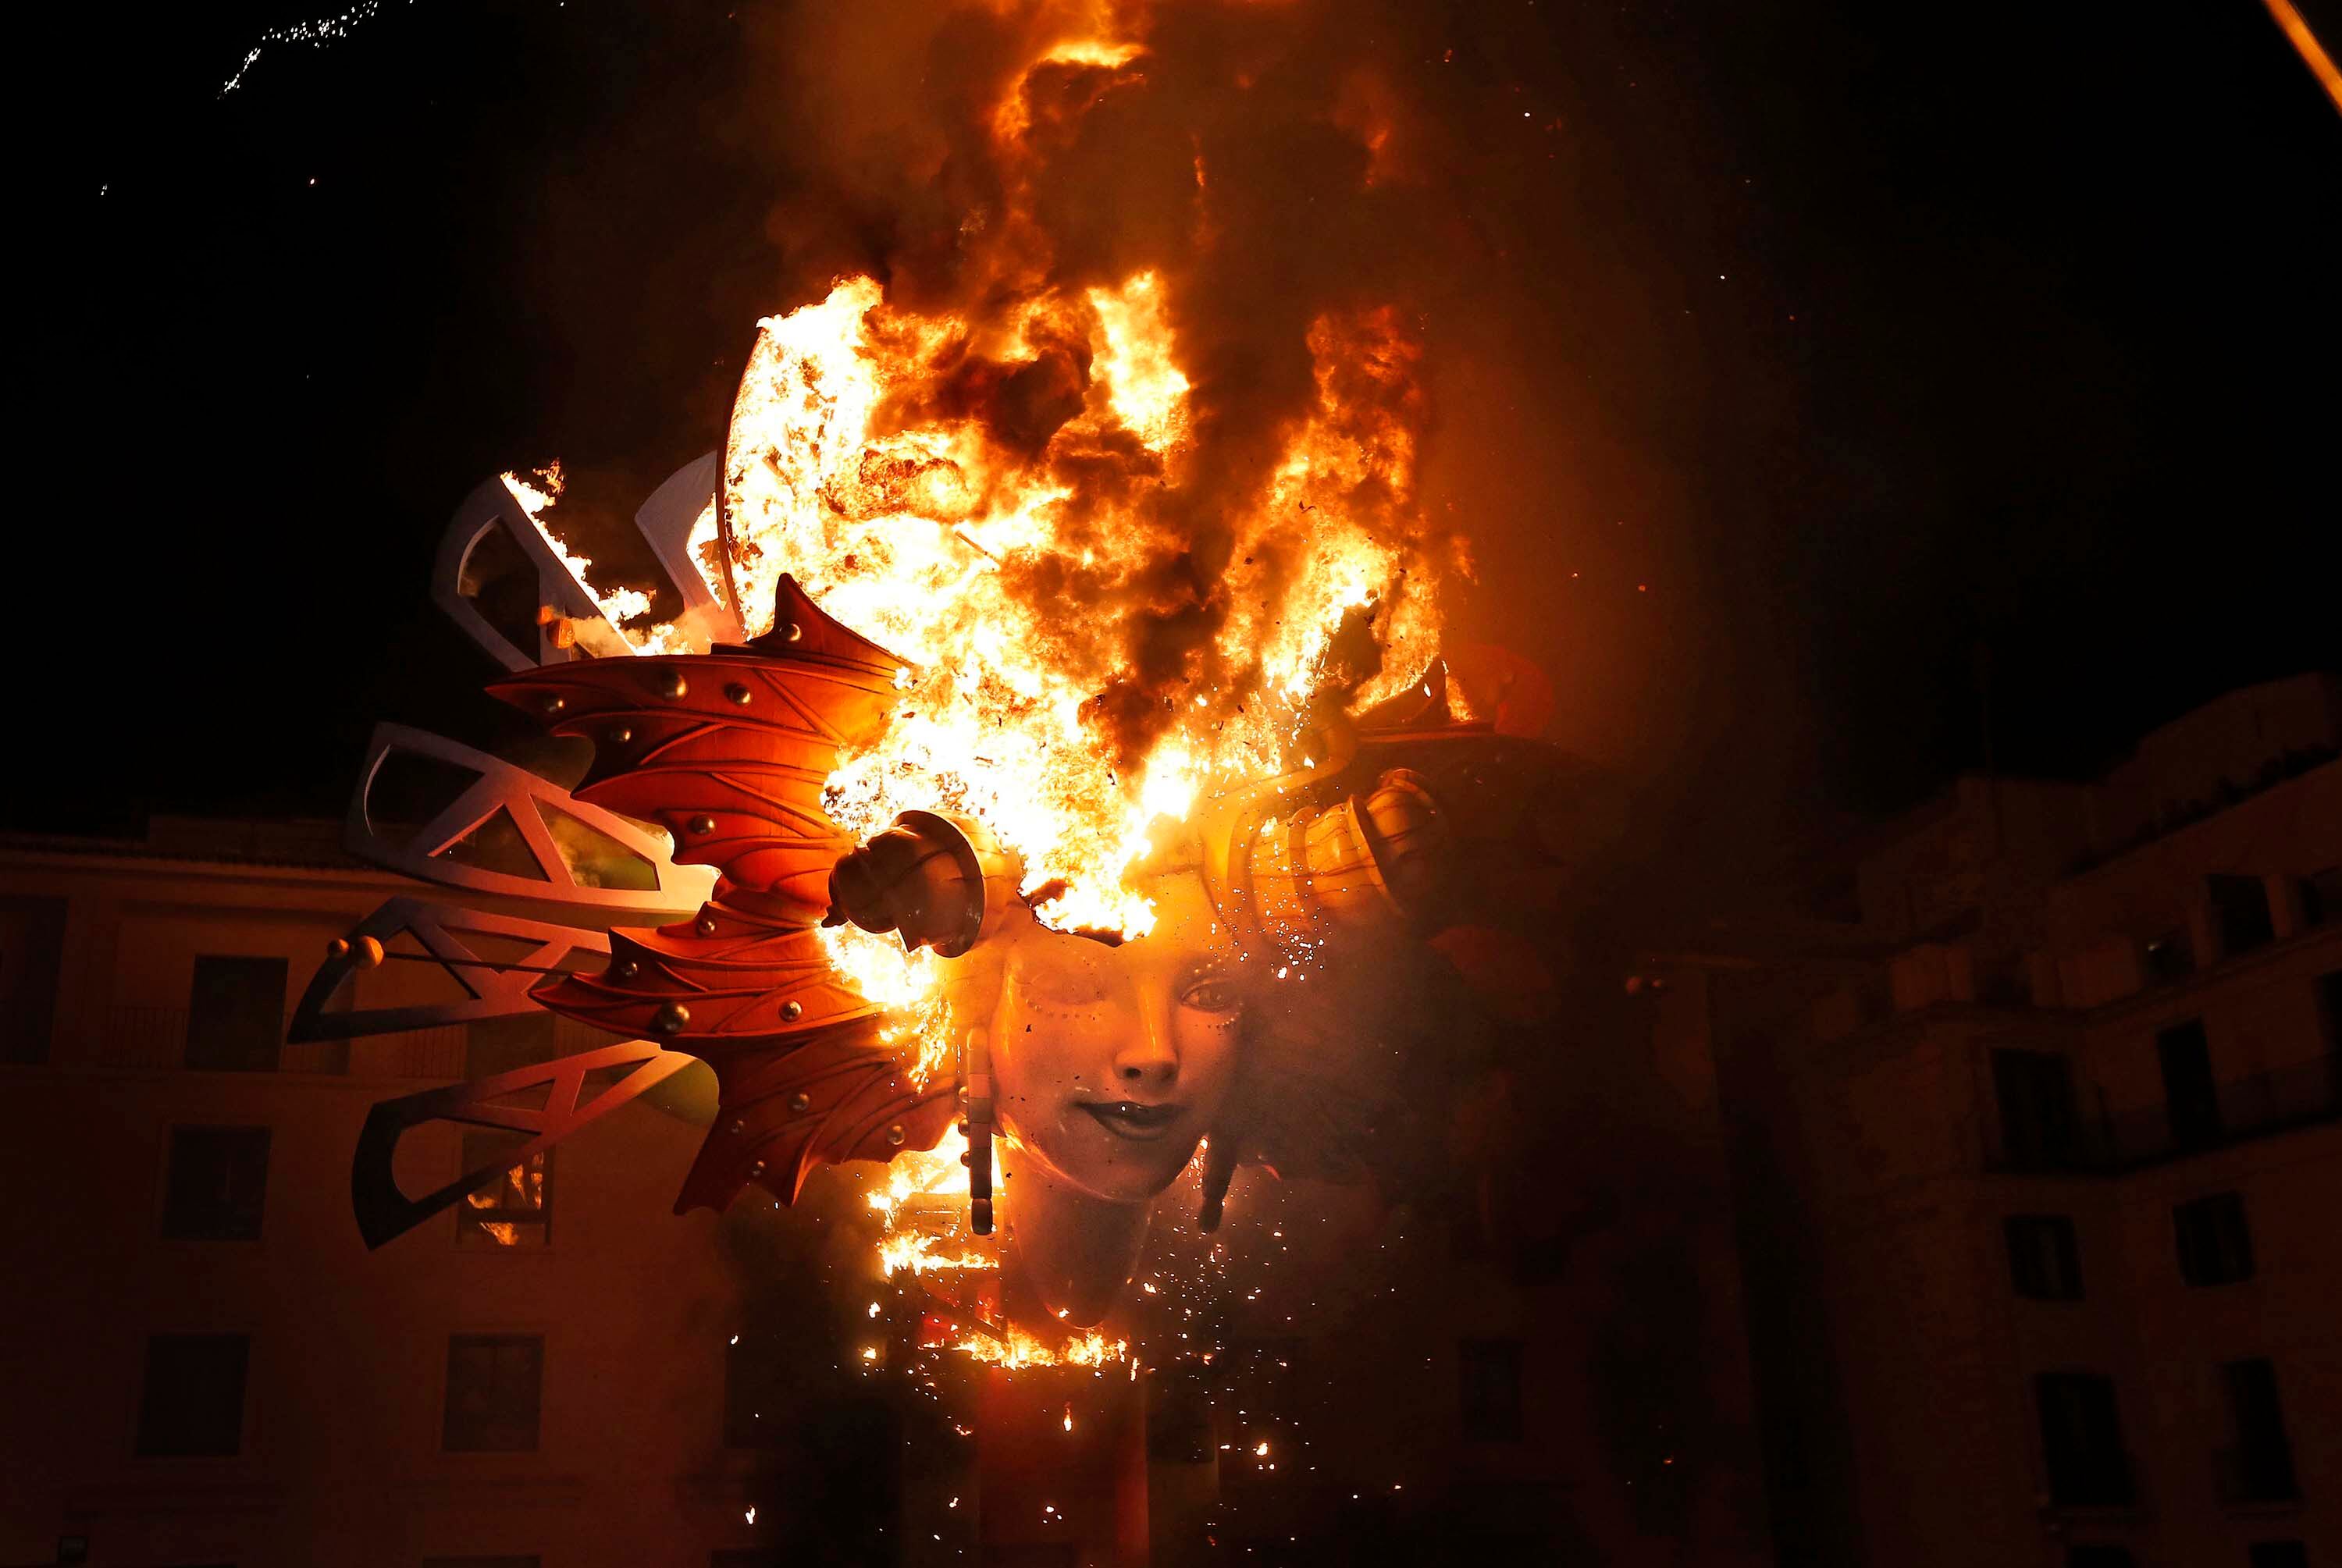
1866	1141
342	1460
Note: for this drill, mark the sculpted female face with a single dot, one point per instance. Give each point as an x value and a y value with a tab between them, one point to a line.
1110	1062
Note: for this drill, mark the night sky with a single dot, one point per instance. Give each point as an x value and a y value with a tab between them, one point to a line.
1800	361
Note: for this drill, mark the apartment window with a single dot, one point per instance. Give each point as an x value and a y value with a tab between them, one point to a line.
215	1184
2036	1090
2240	909
2004	982
192	1402
492	1045
2321	897
493	1385
2081	1439
235	1013
2045	1258
2278	1554
2259	1467
2216	1247
2099	1554
2169	957
2189	1094
1488	1378
513	1210
1468	1233
32	948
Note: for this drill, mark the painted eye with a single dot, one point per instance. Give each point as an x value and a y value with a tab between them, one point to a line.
1209	994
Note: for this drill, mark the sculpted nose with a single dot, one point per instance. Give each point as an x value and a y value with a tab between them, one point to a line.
1146	1060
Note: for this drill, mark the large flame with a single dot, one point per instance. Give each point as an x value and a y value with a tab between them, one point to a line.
1006	495
927	531
1026	497
1009	495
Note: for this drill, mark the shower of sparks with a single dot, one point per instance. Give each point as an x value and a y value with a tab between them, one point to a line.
316	33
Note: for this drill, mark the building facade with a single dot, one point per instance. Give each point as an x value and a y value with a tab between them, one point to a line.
203	1363
2036	1131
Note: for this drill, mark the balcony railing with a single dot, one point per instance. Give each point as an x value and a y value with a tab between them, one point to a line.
158	1037
2301	1095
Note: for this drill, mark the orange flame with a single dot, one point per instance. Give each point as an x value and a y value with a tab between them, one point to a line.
915	527
1019	1349
1000	494
994	494
620	606
1016	496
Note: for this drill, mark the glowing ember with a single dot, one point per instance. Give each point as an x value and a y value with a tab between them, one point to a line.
934	1173
924	1201
922	1255
1020	1349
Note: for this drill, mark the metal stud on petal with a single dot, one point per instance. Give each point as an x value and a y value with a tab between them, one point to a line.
701	825
895	1135
792	1011
670	1018
800	1103
737	694
671	684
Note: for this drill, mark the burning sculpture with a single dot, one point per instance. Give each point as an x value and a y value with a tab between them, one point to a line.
1100	1061
1072	759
